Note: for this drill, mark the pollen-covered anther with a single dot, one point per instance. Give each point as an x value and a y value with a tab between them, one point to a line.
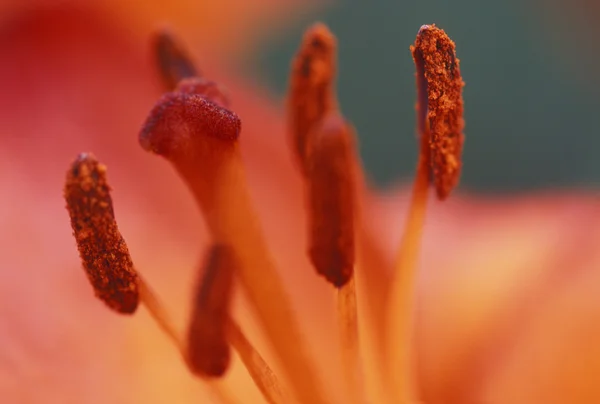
331	201
183	122
311	92
208	351
173	62
104	254
435	54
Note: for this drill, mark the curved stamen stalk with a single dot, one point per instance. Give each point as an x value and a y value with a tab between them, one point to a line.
440	124
104	253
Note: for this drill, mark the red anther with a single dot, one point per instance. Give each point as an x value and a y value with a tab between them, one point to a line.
331	201
104	254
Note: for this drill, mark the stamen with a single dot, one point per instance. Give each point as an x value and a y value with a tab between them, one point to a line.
311	93
435	53
312	98
331	188
439	105
208	348
199	138
160	315
104	254
172	60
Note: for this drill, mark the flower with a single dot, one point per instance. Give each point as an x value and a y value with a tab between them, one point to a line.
62	62
487	313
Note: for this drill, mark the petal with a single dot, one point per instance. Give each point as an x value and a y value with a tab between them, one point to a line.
489	269
225	27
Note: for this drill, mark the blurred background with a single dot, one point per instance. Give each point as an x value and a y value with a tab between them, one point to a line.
531	96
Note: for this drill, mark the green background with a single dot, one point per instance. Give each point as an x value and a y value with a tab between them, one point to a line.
531	96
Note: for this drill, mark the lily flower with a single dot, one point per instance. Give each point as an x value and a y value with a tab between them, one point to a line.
274	271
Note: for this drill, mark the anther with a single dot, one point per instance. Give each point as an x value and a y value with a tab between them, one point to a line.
208	348
331	200
435	56
311	92
180	122
104	254
172	60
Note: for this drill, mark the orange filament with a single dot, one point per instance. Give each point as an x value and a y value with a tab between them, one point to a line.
259	370
199	138
172	60
401	301
159	313
331	199
208	349
103	251
311	93
349	339
441	70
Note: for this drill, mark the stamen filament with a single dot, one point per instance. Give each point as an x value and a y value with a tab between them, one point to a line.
372	269
263	376
160	315
349	340
399	343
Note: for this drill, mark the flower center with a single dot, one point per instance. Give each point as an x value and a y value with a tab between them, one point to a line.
192	127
